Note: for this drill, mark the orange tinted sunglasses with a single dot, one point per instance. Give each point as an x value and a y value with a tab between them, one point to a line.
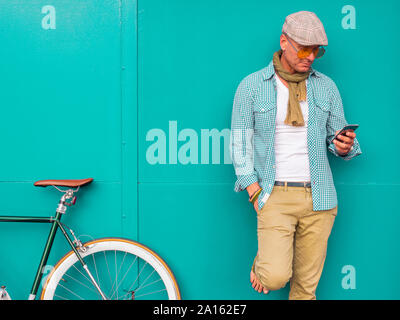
305	52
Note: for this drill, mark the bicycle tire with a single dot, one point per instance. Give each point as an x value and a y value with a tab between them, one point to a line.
109	245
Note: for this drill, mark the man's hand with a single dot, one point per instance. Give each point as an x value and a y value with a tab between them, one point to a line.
256	205
346	142
251	189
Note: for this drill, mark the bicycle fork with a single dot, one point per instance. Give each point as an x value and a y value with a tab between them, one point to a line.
84	265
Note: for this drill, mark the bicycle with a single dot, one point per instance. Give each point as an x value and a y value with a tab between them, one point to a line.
105	268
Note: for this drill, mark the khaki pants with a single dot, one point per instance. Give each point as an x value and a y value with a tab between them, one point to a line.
292	242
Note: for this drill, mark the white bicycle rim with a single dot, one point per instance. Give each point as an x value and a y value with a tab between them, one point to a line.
112	244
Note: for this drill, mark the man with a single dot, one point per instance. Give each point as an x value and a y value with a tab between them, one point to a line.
283	121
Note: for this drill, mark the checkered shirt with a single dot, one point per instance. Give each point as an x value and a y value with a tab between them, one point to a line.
253	125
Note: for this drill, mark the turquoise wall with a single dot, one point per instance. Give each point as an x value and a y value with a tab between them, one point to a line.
129	92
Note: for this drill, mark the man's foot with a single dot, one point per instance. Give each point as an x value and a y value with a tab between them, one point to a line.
256	284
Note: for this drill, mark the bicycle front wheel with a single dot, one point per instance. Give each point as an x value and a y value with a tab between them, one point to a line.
123	270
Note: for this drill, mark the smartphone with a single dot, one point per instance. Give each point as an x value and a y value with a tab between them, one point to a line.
348	127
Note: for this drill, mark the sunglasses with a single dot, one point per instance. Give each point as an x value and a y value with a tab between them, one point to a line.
303	53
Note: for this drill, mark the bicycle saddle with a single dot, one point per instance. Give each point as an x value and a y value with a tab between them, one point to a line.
63	183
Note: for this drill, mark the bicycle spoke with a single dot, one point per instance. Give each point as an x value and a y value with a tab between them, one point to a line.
149	284
141	286
71	291
95	267
56	295
145	294
137	277
109	274
83	274
119	269
125	275
129	290
116	273
81	283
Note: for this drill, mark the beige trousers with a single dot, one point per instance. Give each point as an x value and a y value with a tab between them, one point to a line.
292	242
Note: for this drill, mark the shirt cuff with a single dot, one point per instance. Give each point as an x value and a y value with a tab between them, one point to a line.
244	181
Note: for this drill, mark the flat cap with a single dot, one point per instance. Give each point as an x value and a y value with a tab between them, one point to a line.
305	28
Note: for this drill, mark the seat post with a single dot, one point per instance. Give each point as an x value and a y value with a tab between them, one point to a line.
61	205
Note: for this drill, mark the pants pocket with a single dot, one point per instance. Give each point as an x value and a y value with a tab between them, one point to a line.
332	211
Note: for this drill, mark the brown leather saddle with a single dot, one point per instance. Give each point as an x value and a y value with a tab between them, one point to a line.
63	183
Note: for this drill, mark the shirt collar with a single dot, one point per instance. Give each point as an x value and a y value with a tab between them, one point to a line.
269	71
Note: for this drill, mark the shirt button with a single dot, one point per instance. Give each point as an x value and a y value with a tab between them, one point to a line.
274	166
262	110
269	185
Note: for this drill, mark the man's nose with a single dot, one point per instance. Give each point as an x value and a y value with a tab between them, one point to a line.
311	56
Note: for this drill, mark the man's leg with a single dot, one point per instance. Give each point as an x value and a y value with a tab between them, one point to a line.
275	229
310	246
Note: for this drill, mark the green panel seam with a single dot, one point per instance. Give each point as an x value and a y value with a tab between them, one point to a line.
128	96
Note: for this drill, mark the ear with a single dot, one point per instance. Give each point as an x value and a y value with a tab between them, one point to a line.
283	42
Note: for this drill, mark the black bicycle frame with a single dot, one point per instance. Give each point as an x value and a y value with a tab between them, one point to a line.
55	224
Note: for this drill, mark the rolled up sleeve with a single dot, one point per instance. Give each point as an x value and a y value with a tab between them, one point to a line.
337	121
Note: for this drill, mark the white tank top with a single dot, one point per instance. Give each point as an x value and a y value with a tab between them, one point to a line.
291	151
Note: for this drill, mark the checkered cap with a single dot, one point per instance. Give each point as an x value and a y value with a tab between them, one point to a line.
305	28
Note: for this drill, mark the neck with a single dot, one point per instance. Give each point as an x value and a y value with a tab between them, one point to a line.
286	65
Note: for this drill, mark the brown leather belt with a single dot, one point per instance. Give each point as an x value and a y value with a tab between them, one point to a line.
294	184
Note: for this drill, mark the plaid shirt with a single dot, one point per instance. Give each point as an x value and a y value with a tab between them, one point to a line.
253	131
